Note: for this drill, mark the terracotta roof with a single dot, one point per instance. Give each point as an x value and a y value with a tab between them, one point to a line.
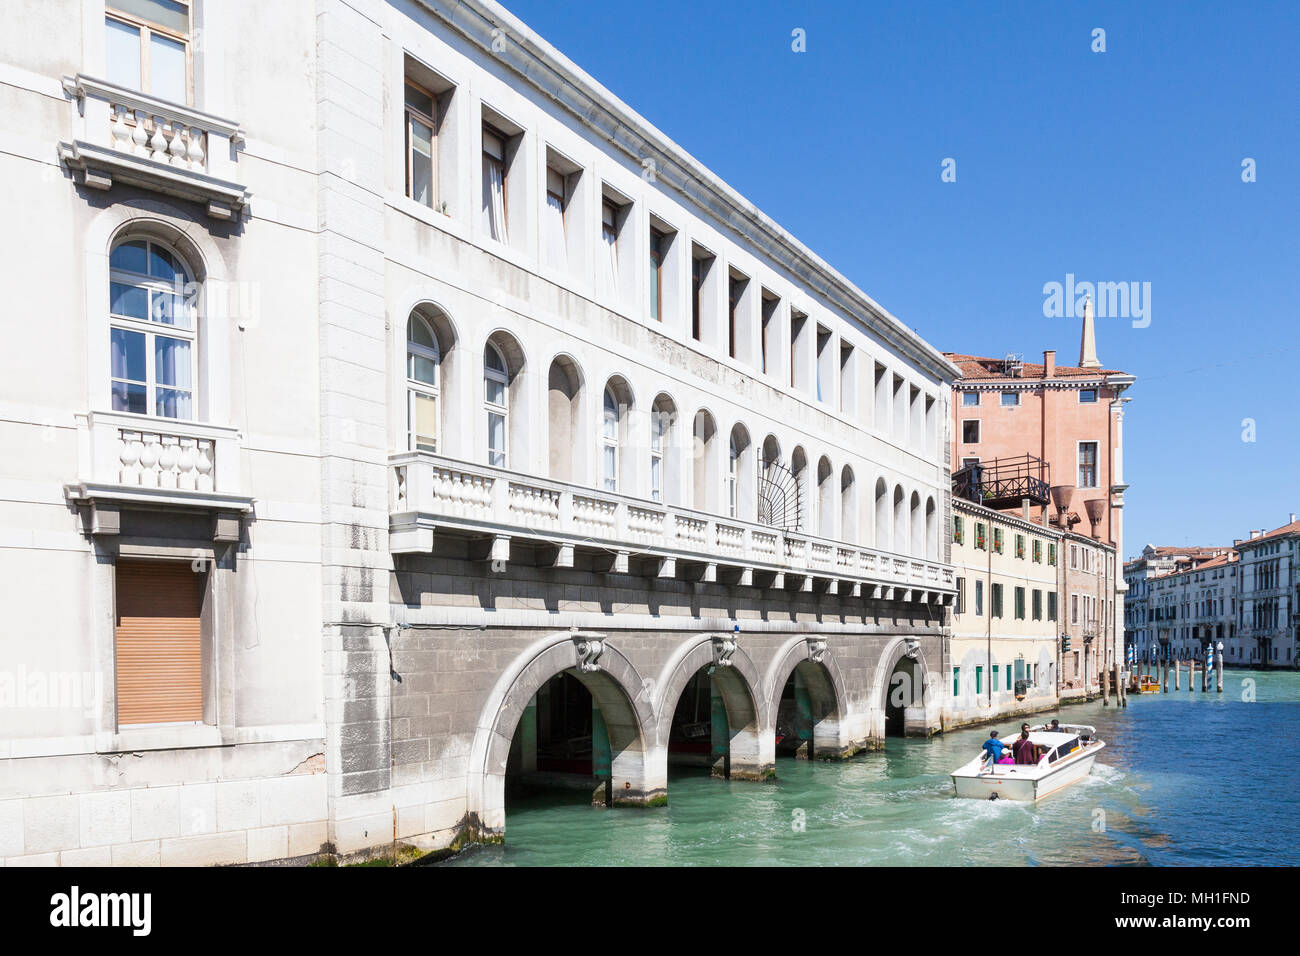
978	367
1292	528
1169	550
1219	562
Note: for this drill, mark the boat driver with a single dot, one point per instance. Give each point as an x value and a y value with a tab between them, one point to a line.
994	747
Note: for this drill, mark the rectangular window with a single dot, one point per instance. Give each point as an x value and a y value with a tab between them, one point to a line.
609	242
657	243
970	399
157	642
1008	678
956	682
1038	604
979	598
555	234
1038	551
824	371
961	596
1010	399
1087	464
735	290
981	536
697	279
1087	396
1051	554
997	600
495	201
997	540
979	679
1074	609
996	673
1020	546
769	303
958	529
1020	604
970	431
147	47
1051	605
847	379
421	147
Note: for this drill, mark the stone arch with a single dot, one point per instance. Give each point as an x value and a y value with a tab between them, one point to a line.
918	694
704	490
564	386
427	321
666	450
825	498
517	419
848	506
741	480
616	687
931	530
799	471
916	545
881	540
821	674
752	753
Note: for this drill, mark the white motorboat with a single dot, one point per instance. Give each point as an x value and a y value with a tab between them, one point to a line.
1066	757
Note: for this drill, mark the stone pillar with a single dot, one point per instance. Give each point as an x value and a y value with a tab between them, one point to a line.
721	734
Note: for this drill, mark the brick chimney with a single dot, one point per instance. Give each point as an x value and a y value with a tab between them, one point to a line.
1049	363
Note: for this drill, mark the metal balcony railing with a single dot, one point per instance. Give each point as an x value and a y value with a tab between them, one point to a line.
1004	482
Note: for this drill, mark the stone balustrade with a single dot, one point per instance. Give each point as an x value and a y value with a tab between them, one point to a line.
431	493
126	135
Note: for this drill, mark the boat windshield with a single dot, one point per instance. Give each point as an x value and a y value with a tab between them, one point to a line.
1064	750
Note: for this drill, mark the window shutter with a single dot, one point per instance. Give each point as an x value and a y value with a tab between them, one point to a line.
157	642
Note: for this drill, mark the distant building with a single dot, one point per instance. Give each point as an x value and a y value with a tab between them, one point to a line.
1089	619
1153	562
1196	605
1051	435
1270	597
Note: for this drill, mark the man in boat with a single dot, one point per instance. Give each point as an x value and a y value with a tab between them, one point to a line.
1056	727
994	747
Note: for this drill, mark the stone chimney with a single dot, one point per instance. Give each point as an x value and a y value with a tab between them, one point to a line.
1253	534
1049	363
1292	521
1088	342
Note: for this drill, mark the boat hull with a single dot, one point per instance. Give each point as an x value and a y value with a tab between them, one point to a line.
1022	783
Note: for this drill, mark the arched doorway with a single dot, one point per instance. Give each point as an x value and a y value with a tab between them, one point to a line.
903	691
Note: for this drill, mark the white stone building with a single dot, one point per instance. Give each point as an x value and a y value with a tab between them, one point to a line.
418	387
1268	613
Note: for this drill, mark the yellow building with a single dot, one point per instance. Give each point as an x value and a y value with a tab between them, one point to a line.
1003	657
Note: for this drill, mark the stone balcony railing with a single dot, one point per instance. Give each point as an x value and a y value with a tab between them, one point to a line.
135	461
128	136
431	494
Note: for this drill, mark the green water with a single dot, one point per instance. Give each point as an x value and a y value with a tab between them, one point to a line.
1185	779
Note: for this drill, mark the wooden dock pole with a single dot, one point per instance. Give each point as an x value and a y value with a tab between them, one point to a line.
1177	667
1105	687
1205	676
1164	684
1218	668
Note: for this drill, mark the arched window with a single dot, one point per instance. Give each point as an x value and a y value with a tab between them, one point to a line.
153	329
496	398
423	387
733	477
661	423
609	442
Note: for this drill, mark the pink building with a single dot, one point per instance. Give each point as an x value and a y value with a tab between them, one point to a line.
1031	427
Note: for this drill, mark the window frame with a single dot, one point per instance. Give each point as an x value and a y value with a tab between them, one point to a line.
1003	403
151	329
412	114
1096	463
492	409
978	429
419	388
490	160
609	466
147	28
657	240
969	394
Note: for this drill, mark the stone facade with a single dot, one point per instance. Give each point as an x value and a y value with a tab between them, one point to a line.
442	441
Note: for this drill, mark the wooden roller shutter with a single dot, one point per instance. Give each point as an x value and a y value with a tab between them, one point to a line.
159	670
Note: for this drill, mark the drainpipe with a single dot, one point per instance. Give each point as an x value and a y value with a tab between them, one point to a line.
988	630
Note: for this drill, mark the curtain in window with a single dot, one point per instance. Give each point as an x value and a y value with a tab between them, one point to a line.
609	236
553	235
494	186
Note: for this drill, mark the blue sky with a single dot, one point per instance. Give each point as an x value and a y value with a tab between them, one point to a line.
1117	166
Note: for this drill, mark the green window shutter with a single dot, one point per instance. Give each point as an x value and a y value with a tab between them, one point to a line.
956	682
1008	678
993	682
979	680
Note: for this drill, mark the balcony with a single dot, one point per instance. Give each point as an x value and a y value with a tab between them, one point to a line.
122	135
575	526
1004	482
134	462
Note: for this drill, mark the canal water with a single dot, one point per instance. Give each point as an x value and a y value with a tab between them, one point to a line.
1185	779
